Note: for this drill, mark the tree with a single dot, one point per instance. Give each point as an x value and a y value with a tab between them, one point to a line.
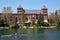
52	18
56	17
58	12
59	22
40	20
6	12
1	22
22	18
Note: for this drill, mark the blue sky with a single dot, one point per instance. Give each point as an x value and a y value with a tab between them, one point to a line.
52	5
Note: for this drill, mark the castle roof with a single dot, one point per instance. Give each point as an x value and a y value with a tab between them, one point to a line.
20	6
44	7
32	11
27	11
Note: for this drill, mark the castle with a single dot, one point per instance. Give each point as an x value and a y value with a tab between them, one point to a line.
29	14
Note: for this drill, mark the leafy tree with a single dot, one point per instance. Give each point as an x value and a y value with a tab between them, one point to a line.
16	26
3	23
40	20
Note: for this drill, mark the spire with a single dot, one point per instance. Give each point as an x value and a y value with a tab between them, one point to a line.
56	12
44	7
19	6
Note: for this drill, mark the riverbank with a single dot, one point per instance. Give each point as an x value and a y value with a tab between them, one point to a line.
40	27
31	27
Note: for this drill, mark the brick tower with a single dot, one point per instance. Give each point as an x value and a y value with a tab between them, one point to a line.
20	12
44	12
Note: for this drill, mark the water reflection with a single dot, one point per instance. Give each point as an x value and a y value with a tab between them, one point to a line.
31	34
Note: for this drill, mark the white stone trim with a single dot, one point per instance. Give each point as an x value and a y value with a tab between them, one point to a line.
45	20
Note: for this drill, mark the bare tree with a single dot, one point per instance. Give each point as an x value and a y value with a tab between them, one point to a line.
7	11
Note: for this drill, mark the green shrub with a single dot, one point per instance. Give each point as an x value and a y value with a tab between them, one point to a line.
54	24
45	24
16	26
27	24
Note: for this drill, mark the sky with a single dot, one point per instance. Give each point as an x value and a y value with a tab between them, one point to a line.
52	5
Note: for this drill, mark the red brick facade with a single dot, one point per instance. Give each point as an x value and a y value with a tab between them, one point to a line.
43	11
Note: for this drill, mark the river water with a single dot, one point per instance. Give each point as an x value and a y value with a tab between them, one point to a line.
30	34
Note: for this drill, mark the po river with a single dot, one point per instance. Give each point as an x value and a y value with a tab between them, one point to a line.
30	34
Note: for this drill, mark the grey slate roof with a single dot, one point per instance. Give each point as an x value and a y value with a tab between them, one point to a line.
28	11
33	11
